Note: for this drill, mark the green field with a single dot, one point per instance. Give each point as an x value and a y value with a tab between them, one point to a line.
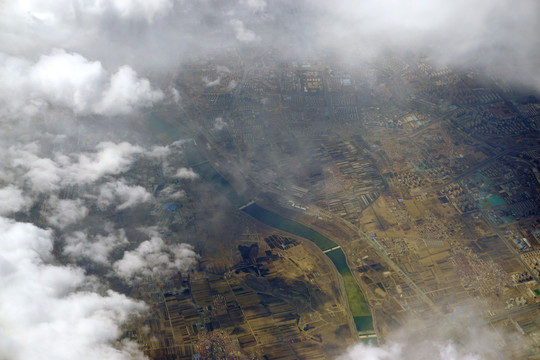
357	302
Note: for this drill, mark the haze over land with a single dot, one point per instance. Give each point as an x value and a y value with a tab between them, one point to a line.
77	79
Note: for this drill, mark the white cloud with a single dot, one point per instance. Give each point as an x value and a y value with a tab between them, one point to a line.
361	351
169	192
254	4
127	10
43	173
393	351
14	87
232	85
223	69
52	21
242	33
156	259
66	79
175	95
69	80
48	311
461	335
135	9
127	92
119	192
186	173
12	200
495	34
97	248
210	83
49	174
158	152
63	212
219	124
110	159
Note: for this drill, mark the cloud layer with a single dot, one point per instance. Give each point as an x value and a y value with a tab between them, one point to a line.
153	258
49	307
119	192
79	245
50	311
496	35
125	36
461	335
68	80
47	173
12	199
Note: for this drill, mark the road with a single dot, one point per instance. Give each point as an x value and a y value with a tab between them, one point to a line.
513	312
386	259
397	269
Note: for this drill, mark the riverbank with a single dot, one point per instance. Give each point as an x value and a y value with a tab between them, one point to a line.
360	310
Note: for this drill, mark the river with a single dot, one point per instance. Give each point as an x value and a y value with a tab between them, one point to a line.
357	303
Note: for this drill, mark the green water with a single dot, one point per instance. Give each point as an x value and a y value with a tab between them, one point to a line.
495	200
363	323
279	222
